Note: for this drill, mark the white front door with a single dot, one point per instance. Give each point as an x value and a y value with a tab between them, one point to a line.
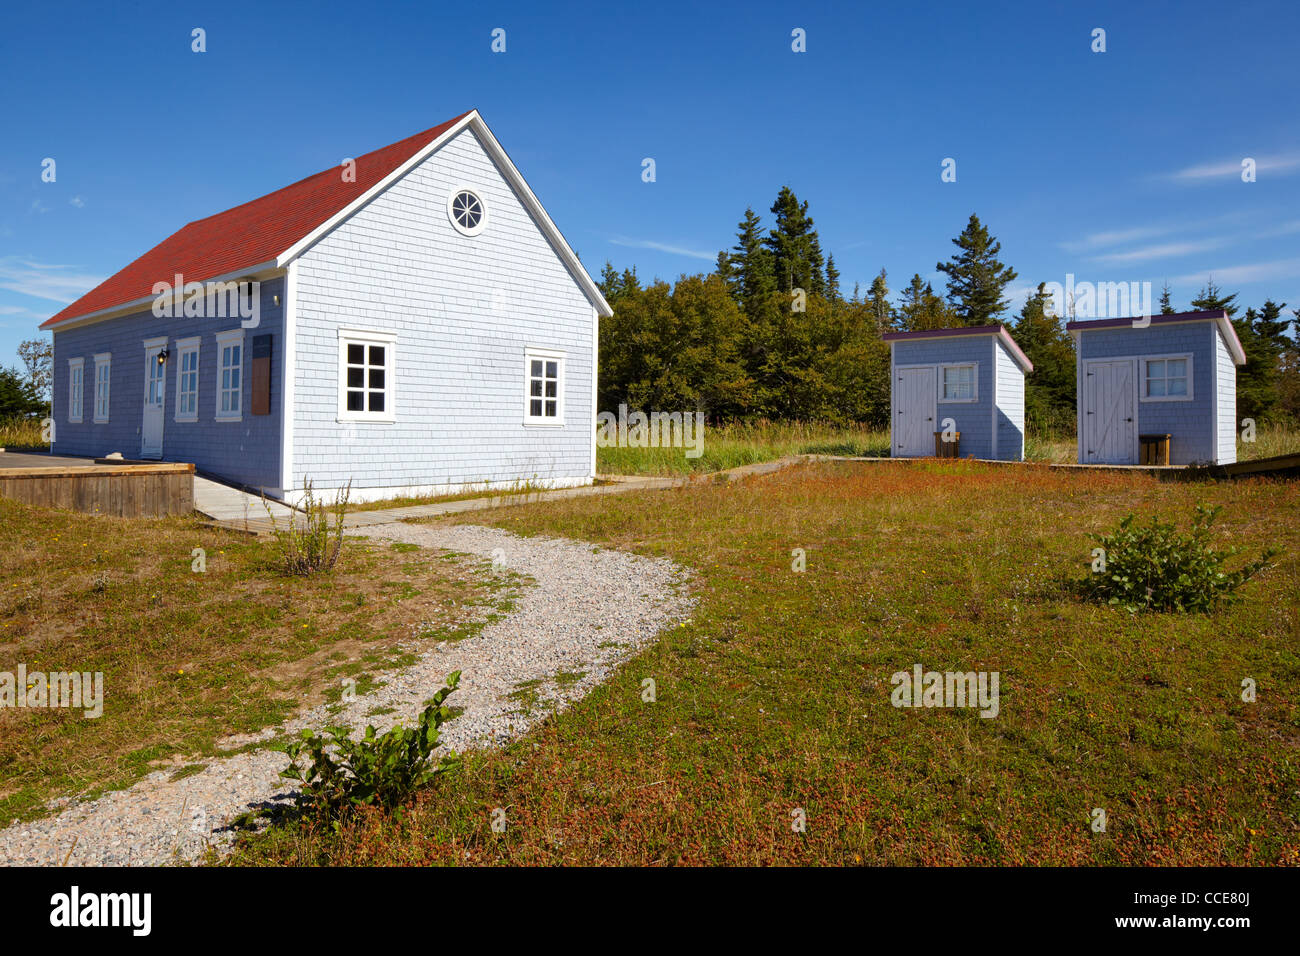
155	379
914	404
1109	430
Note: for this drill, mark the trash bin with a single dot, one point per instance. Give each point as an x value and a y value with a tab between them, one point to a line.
947	449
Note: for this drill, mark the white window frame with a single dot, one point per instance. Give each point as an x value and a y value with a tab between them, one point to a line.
532	354
186	347
225	340
483	219
104	378
1142	384
367	338
76	389
974	386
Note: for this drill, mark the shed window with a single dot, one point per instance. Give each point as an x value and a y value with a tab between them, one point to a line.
959	383
1168	378
544	394
366	363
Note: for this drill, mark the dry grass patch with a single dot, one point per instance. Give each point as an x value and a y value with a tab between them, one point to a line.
189	658
777	696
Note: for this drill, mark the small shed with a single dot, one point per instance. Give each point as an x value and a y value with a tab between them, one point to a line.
970	381
1158	390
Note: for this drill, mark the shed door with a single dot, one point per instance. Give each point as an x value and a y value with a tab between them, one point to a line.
914	402
1109	427
151	427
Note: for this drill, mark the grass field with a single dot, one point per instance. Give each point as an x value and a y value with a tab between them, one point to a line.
18	433
775	698
190	657
732	445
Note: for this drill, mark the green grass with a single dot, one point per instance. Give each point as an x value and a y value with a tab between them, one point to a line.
21	434
189	658
411	500
1270	441
732	445
777	695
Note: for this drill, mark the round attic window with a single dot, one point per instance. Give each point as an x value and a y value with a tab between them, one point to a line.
467	212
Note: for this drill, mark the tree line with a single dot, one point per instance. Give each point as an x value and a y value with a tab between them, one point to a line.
770	334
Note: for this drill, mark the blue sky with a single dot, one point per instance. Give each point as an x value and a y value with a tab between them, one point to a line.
1116	166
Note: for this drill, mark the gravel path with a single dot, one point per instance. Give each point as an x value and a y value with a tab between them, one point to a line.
589	610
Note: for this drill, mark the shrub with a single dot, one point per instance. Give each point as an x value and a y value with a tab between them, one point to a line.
1156	567
379	771
313	541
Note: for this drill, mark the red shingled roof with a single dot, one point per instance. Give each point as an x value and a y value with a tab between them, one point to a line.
251	234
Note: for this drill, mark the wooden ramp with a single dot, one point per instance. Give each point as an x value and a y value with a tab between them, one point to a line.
1288	465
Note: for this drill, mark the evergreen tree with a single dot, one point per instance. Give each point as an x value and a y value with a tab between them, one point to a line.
1166	301
1271	327
1050	389
795	250
723	268
882	312
922	309
832	280
18	397
1256	380
976	279
609	282
1288	380
1265	342
1211	298
751	263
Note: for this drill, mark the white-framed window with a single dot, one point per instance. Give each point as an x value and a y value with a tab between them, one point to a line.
76	387
1167	378
187	380
543	387
230	375
367	360
958	383
103	376
466	210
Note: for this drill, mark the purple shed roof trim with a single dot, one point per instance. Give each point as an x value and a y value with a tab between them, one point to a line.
996	329
1218	316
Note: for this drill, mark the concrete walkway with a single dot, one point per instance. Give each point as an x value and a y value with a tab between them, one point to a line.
232	508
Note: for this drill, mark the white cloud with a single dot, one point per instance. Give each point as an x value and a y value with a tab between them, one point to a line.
1237	275
76	201
1282	163
1117	238
664	247
55	282
1168	250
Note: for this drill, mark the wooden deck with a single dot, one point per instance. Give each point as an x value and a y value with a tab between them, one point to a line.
120	489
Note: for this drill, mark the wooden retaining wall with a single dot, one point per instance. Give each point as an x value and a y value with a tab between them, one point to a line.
124	491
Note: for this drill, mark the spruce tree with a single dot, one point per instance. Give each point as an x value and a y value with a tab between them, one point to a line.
878	303
976	279
1050	390
922	309
751	263
832	280
1211	298
609	283
796	252
1166	301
